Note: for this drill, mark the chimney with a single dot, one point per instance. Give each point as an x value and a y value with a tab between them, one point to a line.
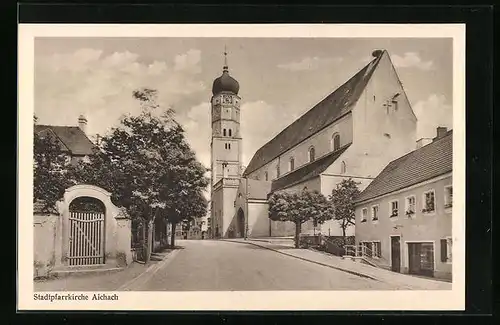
82	123
423	142
441	132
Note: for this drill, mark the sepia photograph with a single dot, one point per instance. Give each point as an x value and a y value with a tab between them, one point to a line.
255	163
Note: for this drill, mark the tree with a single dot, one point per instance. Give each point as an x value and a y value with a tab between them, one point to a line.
299	208
49	171
342	201
147	165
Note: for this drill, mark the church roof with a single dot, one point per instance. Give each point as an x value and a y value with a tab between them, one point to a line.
308	171
72	137
327	111
428	162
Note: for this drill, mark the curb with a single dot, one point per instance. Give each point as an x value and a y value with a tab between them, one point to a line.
307	260
148	274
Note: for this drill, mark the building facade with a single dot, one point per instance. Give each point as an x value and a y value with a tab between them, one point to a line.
352	133
404	217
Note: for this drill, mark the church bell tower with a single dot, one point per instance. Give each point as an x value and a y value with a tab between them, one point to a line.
226	135
226	152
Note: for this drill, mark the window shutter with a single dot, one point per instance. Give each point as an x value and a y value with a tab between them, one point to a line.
444	253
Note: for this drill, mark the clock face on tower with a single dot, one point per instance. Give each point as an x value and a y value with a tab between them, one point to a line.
227	99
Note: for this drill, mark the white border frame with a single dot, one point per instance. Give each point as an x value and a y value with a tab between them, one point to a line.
453	299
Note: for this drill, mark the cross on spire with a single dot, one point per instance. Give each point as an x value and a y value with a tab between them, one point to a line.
225	68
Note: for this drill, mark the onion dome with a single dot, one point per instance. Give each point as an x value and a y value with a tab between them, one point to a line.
225	83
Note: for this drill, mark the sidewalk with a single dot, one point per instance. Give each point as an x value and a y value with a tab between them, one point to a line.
403	281
105	281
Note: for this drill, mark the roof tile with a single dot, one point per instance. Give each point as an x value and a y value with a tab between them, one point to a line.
420	165
330	109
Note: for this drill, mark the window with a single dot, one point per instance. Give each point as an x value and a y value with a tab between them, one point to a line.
343	167
394	208
376	249
446	249
292	164
224	132
335	141
277	171
225	145
410	206
364	214
448	196
429	202
311	154
375	212
229	132
266	176
229	146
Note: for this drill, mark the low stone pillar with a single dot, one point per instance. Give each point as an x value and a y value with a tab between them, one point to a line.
123	247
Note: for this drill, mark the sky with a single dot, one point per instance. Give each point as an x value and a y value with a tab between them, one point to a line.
280	79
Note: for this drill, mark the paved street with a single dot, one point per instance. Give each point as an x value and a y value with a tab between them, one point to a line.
219	265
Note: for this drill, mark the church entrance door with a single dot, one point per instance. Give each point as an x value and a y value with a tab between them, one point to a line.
241	223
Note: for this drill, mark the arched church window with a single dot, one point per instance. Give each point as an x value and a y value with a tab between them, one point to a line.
225	145
312	154
266	176
229	146
224	132
292	164
343	167
335	141
229	132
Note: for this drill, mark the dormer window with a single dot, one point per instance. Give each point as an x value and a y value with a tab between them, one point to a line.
335	141
291	164
312	154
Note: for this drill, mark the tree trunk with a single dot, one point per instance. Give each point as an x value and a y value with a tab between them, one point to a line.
172	236
297	234
150	241
343	235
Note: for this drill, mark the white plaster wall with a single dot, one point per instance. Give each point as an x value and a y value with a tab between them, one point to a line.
44	243
258	219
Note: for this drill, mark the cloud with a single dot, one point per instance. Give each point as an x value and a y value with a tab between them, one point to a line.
260	122
198	129
411	60
309	63
100	86
432	112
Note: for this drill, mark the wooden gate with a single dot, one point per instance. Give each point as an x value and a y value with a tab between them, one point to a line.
86	237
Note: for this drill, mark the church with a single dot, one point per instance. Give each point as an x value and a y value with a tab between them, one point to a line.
354	132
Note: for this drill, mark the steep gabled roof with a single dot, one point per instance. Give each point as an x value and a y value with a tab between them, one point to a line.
308	171
428	162
72	137
330	109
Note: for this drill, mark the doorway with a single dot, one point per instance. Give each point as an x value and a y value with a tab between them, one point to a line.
241	224
421	258
396	253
